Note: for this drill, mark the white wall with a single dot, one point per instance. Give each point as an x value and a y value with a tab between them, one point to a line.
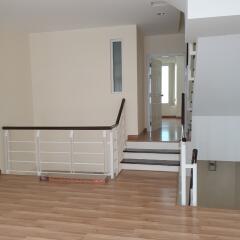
71	77
15	91
216	137
213	8
211	18
216	112
161	45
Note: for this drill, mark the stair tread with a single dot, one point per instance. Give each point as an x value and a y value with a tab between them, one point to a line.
158	151
151	162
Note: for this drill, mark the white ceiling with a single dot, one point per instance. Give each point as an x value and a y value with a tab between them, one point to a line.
53	15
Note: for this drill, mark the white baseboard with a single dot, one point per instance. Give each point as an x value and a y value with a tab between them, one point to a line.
152	156
153	145
126	166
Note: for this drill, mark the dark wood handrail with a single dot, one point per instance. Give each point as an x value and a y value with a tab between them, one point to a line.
120	112
194	161
194	156
184	139
183	109
69	127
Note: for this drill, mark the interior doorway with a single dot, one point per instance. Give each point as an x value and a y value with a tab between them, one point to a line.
165	86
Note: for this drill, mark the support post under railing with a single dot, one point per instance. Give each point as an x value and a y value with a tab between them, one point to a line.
6	150
194	189
183	172
116	148
37	152
111	147
71	150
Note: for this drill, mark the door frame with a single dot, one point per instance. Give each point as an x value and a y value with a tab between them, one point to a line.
148	62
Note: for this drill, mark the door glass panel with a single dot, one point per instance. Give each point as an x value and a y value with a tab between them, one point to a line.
165	84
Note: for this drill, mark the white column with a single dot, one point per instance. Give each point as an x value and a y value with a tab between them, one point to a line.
71	150
194	190
183	173
37	152
111	148
6	151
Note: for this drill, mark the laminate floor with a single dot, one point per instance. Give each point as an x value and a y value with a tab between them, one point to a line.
138	205
169	131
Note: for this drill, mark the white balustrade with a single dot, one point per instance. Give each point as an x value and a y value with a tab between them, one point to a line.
184	176
36	152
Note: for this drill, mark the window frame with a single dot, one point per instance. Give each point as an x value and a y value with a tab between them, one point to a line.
111	65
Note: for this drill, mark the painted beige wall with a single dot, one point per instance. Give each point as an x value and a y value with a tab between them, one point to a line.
71	77
15	91
158	45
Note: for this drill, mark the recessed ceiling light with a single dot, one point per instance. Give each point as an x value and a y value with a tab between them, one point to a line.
158	3
162	14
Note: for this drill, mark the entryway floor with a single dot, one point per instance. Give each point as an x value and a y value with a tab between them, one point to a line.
169	131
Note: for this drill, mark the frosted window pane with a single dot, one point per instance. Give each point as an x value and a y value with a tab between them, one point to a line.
117	66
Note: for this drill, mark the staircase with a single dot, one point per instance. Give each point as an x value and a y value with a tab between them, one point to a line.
152	156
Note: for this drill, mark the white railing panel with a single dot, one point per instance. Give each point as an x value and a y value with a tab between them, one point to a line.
22	166
66	151
183	174
88	135
185	167
21	135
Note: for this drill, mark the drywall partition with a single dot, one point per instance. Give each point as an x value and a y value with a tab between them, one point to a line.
216	112
211	18
15	80
71	75
213	8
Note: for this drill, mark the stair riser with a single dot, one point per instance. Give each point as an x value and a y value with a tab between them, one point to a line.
153	145
125	166
151	156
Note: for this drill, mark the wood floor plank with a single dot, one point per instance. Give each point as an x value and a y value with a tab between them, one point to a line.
137	205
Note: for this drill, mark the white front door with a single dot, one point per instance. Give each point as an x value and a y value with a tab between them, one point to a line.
155	95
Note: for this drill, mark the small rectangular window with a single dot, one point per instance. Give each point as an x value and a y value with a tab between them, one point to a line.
175	85
116	47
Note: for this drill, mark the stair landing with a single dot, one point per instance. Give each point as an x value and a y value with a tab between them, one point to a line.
169	131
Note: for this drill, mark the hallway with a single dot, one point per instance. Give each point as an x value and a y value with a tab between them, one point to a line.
138	205
169	131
